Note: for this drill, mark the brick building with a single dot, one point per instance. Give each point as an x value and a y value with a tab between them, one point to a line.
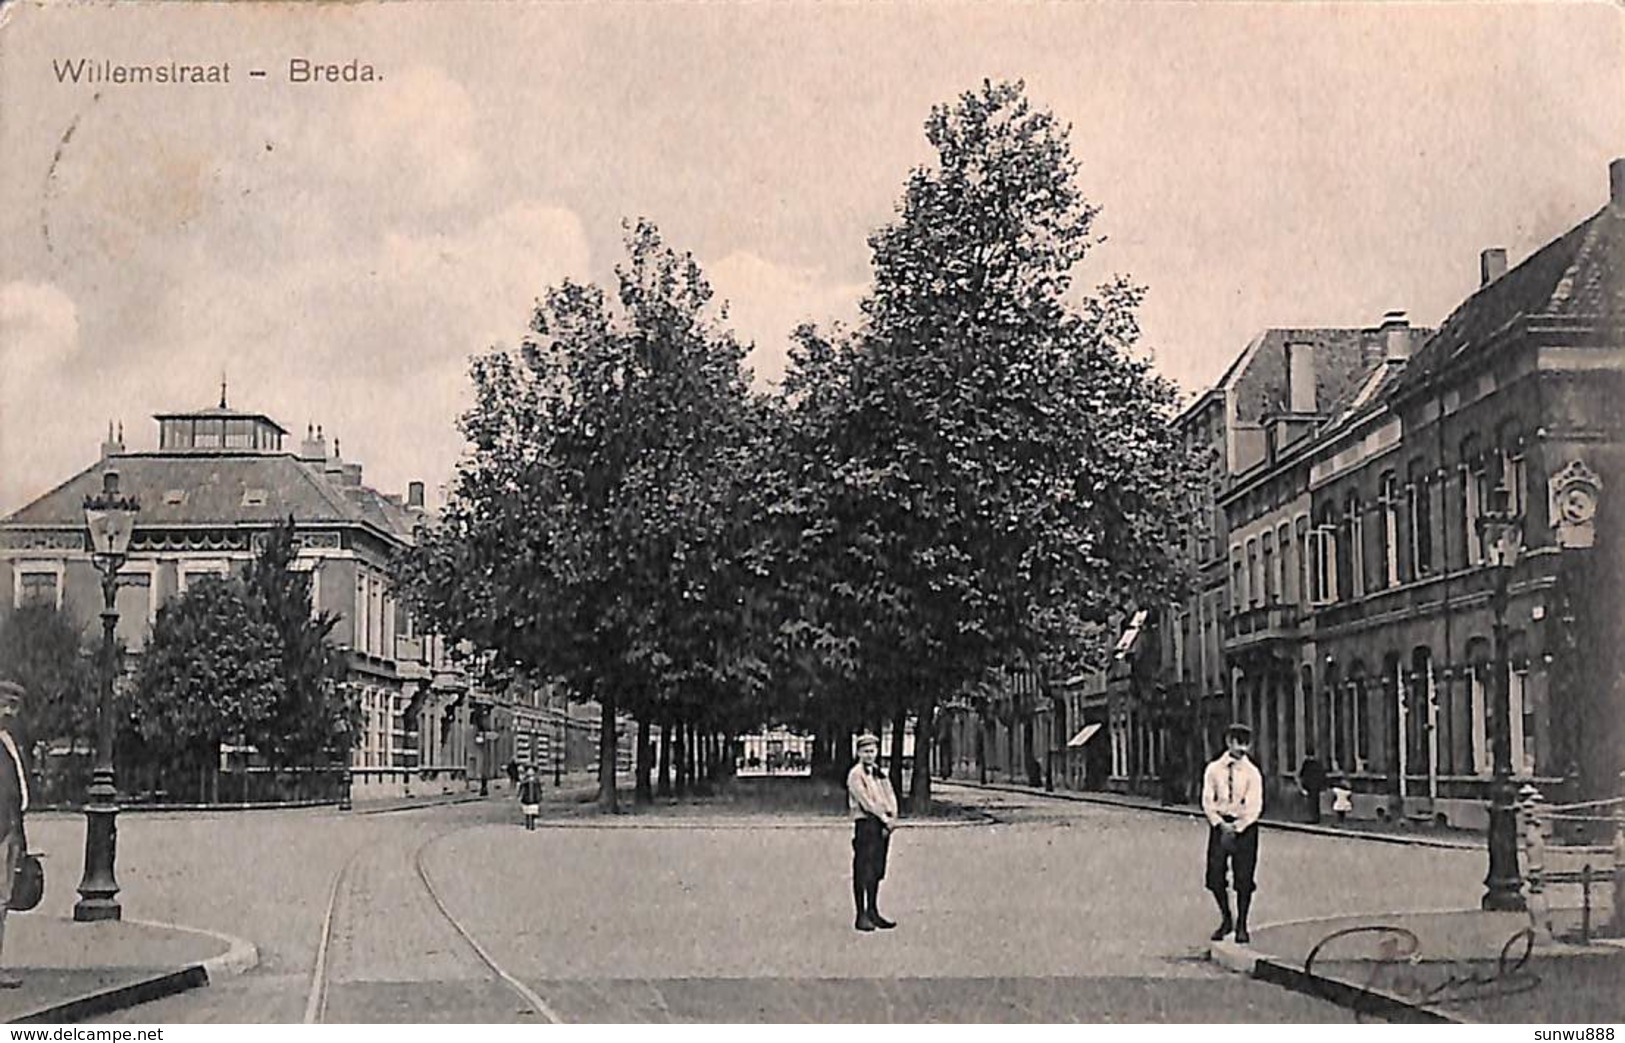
1380	657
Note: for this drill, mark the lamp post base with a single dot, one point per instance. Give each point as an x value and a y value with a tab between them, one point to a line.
98	888
1503	886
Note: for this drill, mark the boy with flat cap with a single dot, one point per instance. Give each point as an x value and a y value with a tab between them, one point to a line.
874	814
1233	800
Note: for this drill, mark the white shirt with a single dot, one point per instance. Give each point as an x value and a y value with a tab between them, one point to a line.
1232	787
870	793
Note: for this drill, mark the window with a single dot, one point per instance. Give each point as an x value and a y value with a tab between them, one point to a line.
1390	529
239	434
1272	578
1305	560
1349	556
361	613
1323	563
1474	485
192	571
38	587
1421	520
1284	564
209	434
1512	471
1237	593
1255	576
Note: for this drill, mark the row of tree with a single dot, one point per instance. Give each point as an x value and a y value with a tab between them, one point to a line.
974	476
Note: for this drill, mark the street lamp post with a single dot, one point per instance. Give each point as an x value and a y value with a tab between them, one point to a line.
1503	539
480	757
110	518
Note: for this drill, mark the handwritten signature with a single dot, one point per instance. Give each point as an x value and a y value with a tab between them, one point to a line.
1399	968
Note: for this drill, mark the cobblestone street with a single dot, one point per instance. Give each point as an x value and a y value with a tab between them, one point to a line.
1054	910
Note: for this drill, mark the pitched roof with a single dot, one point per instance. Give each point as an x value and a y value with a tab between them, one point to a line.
220	488
1579	274
1343	357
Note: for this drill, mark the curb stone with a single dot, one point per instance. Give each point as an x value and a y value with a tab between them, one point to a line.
240	957
1187	812
1234	956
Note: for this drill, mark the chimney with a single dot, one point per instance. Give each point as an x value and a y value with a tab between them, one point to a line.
1300	377
1616	184
333	464
414	495
115	443
1492	264
352	475
314	447
1396	336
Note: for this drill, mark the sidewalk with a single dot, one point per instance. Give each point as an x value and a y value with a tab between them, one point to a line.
73	971
1462	966
1379	832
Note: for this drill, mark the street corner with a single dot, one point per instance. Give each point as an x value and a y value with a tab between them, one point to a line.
70	971
1233	956
1452	966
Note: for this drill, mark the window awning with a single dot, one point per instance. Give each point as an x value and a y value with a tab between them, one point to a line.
1131	635
1084	735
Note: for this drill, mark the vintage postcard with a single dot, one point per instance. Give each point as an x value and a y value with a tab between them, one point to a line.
725	512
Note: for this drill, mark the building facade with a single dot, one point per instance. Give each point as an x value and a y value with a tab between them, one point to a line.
1382	659
218	482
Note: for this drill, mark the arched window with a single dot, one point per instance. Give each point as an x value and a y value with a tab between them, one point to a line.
1390	529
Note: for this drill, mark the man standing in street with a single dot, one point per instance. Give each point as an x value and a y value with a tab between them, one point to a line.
13	804
1233	800
1312	781
873	804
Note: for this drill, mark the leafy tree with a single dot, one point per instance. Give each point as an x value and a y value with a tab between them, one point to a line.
312	709
44	649
212	673
984	467
585	531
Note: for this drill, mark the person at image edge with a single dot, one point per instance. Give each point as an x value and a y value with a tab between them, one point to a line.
13	804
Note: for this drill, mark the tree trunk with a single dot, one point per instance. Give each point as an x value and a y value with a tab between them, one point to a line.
679	752
924	737
642	792
899	719
664	785
696	768
981	747
606	754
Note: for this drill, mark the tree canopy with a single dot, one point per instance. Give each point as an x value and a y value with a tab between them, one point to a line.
985	466
591	527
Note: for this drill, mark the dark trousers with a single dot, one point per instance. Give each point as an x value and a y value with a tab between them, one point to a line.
870	845
1314	805
1240	859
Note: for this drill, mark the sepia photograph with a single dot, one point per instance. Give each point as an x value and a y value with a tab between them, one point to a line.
729	513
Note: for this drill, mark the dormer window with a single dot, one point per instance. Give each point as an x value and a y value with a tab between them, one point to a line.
253	497
175	497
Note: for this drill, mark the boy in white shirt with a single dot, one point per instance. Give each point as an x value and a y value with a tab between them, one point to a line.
1233	800
873	806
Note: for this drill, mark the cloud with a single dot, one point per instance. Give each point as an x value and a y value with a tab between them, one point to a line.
766	301
39	339
422	126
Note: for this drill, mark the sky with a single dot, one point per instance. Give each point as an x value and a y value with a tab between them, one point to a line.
338	250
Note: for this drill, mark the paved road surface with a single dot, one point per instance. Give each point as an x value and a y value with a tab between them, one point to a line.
1059	911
